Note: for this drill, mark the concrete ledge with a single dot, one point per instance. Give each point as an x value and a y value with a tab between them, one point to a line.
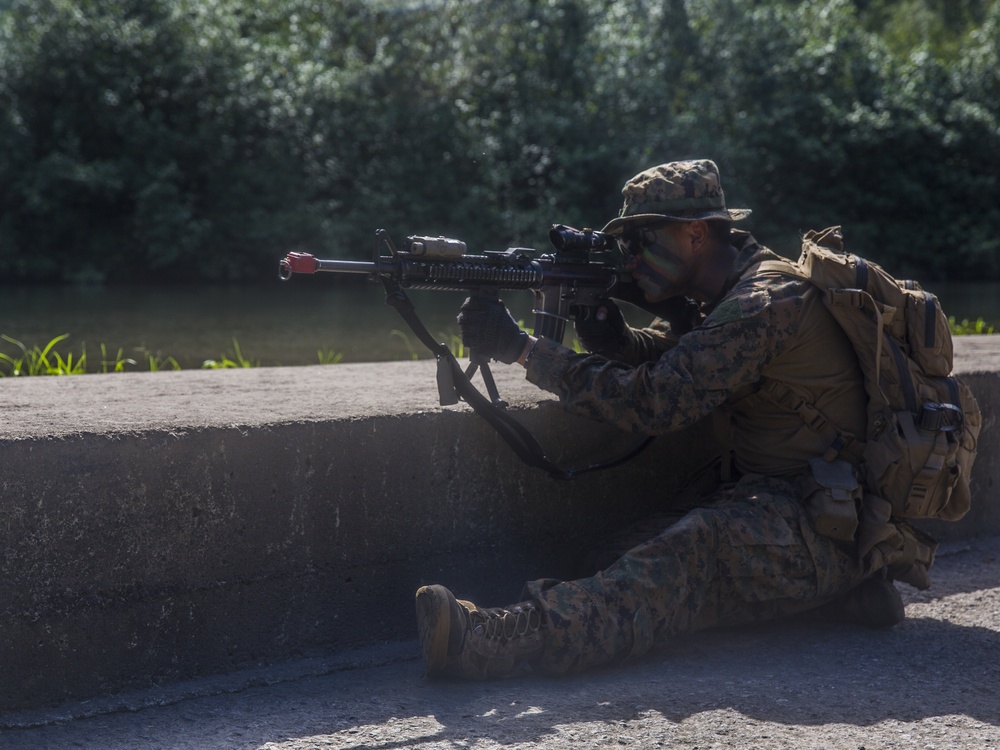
159	526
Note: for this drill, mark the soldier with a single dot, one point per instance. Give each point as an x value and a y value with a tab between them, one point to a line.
748	551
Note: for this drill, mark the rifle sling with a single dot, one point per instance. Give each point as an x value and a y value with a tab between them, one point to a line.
517	436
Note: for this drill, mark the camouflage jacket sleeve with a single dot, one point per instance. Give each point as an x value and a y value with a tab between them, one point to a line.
728	352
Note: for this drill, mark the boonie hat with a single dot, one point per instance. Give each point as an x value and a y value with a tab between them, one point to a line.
677	191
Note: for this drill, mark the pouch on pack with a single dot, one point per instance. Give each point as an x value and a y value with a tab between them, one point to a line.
833	498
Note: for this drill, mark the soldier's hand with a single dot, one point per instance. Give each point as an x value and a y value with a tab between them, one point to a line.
601	328
682	313
488	329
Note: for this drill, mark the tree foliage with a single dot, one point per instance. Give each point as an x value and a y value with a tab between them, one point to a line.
146	140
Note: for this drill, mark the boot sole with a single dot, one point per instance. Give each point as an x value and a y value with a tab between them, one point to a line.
434	627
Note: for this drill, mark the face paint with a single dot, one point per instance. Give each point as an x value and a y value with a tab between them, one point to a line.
669	266
658	269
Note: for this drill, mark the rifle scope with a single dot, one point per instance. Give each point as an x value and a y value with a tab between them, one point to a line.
569	240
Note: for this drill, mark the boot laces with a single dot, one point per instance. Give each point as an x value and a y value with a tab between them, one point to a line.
501	626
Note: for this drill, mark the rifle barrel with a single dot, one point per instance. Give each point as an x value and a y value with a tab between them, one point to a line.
346	266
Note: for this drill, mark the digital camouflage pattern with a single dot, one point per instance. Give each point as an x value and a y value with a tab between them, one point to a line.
681	191
759	329
742	552
749	555
748	552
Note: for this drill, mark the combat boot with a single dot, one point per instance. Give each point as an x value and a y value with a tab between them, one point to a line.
459	639
874	602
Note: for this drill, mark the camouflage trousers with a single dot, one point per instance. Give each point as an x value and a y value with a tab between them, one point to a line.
750	554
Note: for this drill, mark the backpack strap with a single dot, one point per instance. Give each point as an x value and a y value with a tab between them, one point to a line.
840	441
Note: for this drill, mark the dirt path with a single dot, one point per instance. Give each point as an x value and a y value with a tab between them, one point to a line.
933	682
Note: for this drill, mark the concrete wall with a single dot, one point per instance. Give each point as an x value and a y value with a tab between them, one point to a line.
159	526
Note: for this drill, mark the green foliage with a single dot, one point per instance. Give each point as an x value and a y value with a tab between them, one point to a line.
118	364
148	140
906	25
40	360
131	149
967	327
155	361
226	362
401	335
47	360
329	356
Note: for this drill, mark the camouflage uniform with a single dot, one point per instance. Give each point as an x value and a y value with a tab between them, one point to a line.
760	329
749	551
749	555
746	552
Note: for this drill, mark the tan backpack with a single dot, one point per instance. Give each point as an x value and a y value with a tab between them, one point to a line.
923	422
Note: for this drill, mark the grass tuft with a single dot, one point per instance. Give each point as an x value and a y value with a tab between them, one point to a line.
969	328
329	356
40	360
226	362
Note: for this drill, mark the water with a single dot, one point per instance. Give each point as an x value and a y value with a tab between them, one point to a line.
284	323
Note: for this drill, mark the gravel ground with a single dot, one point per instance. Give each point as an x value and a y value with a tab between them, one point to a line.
933	682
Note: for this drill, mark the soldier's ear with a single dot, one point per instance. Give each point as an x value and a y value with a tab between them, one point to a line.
698	233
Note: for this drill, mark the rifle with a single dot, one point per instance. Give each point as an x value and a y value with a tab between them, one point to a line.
580	273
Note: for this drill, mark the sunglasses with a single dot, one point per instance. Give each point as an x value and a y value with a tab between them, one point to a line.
634	241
